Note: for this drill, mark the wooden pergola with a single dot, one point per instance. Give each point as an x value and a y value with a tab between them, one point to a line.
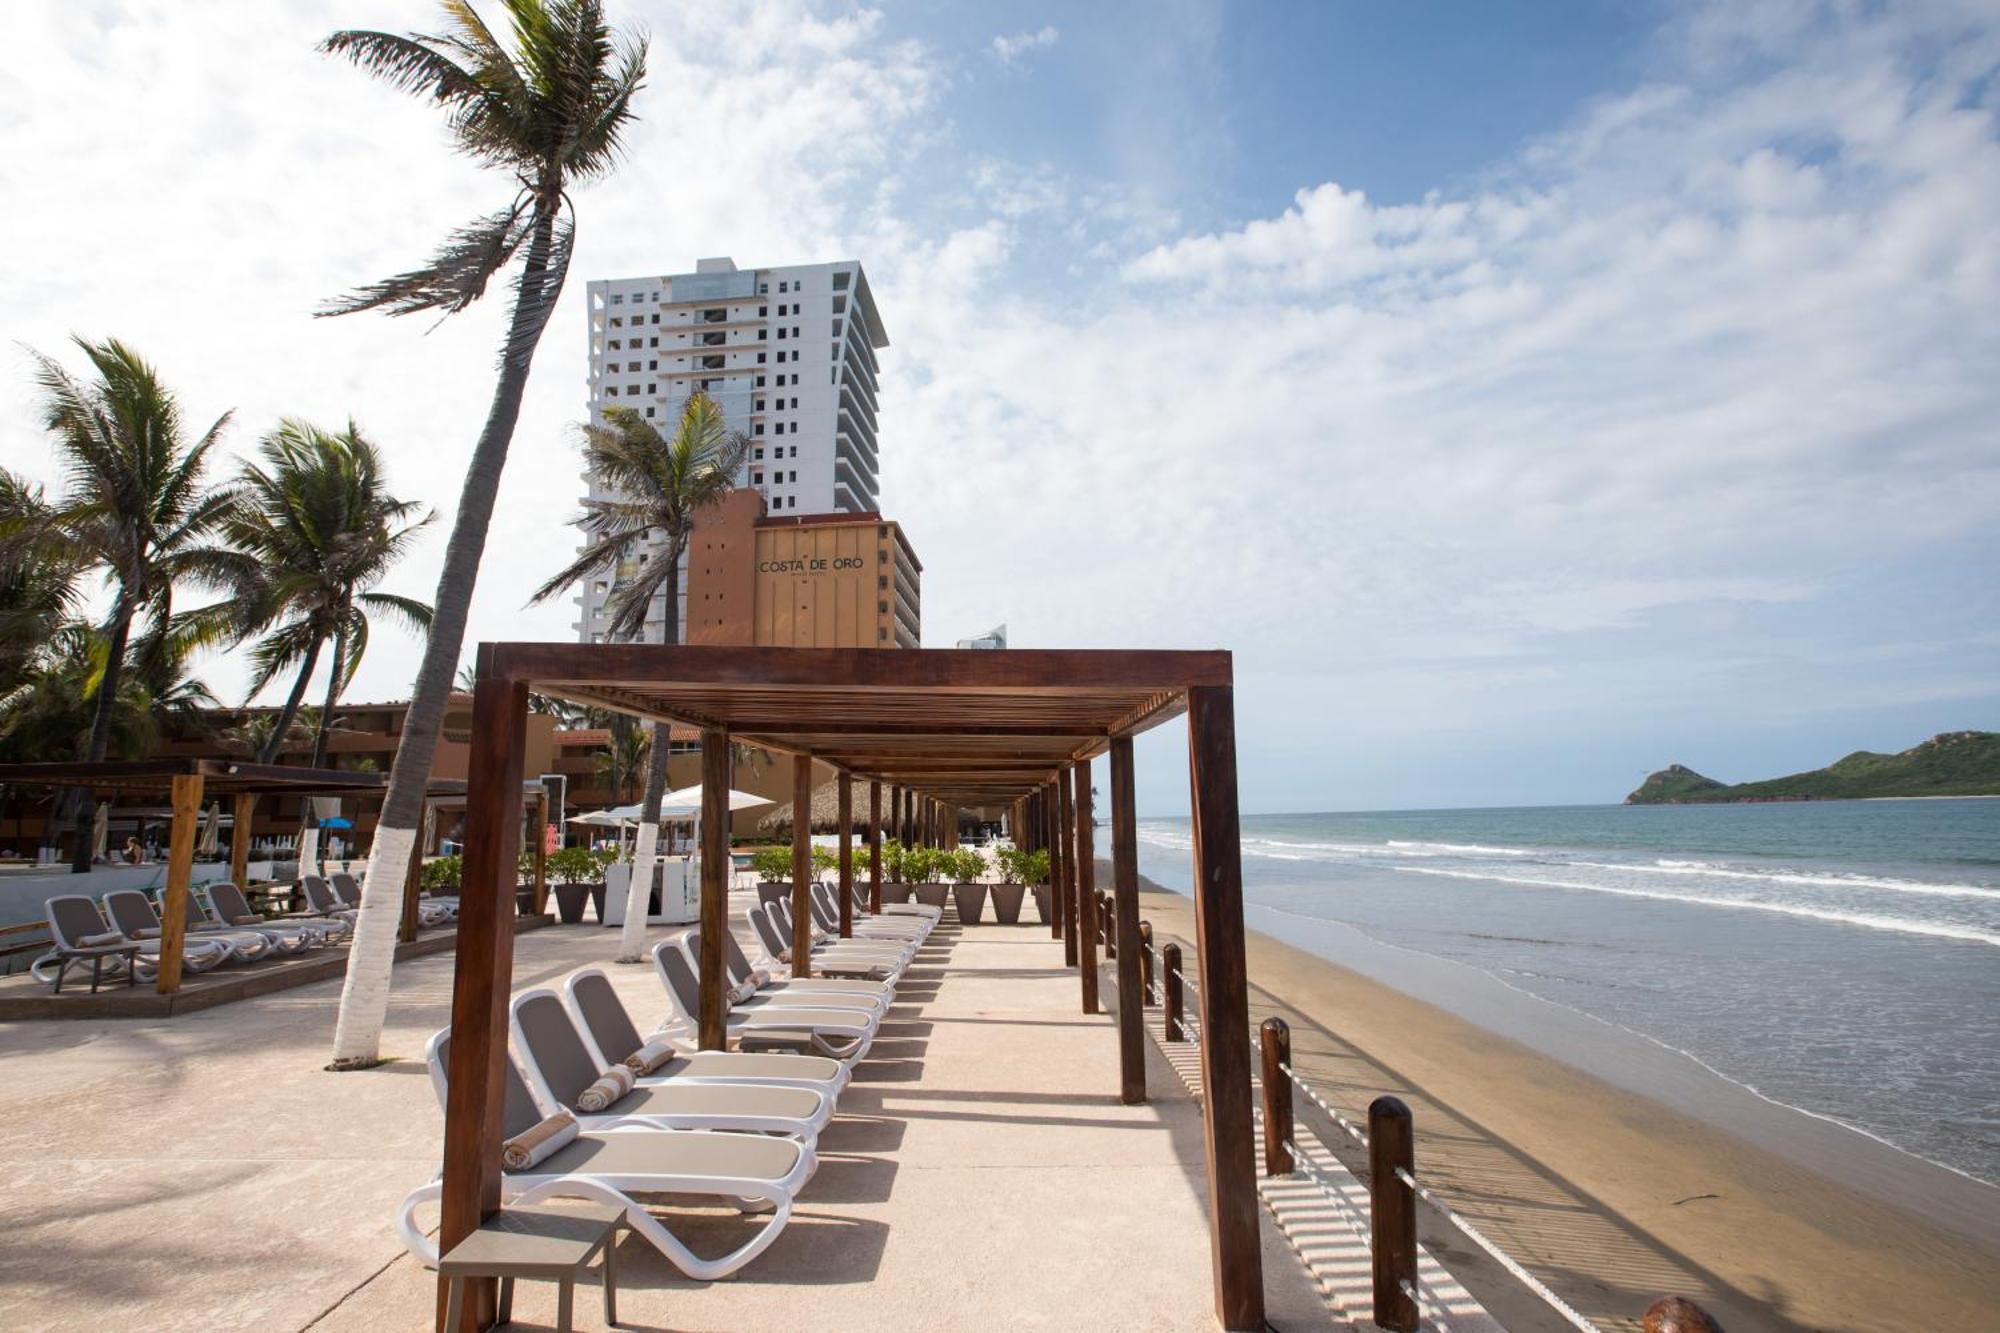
188	782
940	729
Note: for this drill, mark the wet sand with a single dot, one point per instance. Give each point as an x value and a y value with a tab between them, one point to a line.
1614	1172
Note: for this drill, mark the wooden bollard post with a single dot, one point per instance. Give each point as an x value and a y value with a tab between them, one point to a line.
1392	1213
1170	958
1276	1039
1145	965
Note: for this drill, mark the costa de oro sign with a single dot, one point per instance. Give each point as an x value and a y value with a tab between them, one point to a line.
817	565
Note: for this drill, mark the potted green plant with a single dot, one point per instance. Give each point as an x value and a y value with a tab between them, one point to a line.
1008	894
895	884
441	876
964	866
1034	871
574	871
773	865
924	866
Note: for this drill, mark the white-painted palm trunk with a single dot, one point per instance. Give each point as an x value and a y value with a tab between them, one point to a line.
364	995
632	932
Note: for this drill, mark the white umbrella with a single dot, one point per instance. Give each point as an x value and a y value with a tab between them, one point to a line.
211	830
686	803
601	819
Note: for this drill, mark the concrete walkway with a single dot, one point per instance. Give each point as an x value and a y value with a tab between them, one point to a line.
203	1172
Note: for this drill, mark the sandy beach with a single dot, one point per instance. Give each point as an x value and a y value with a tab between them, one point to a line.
1771	1220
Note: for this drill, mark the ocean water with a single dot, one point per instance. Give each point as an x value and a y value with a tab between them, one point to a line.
1839	957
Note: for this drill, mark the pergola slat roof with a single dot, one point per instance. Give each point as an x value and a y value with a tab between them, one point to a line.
970	728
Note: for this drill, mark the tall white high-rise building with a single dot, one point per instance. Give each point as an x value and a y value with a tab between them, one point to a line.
787	353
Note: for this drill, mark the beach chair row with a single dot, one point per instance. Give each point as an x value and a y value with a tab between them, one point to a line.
119	936
594	1109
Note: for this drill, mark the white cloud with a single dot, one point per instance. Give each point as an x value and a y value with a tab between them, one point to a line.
1603	436
1009	48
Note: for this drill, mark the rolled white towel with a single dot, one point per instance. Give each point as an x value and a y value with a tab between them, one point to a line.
612	1085
531	1146
648	1057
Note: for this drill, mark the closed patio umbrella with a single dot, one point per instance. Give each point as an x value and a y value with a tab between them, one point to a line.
210	841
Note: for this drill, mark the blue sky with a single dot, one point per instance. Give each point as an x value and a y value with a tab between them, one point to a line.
1530	395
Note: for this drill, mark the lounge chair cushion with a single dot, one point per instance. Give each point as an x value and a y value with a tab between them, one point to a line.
649	1057
98	941
535	1145
741	1156
614	1083
743	1099
246	920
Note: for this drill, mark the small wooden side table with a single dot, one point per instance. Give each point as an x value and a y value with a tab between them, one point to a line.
546	1242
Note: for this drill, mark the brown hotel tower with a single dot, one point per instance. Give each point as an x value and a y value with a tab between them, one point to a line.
810	581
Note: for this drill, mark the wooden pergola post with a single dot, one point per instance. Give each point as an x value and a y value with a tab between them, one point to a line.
475	1090
1053	845
1066	834
712	1023
413	884
875	847
1225	1009
180	871
239	839
540	851
1086	889
802	862
1125	910
846	790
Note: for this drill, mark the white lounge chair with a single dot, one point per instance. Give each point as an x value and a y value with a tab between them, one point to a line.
844	1034
228	905
827	942
607	1029
75	922
613	1164
133	913
838	961
800	990
560	1066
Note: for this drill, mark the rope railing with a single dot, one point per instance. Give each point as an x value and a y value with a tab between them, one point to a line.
1499	1256
1402	1298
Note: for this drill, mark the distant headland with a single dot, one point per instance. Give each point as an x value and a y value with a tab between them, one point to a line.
1956	763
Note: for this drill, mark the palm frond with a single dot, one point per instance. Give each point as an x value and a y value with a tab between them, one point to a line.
456	275
412	614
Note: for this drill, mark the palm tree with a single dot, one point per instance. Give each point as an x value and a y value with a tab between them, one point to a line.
135	506
617	764
38	577
656	485
549	113
313	530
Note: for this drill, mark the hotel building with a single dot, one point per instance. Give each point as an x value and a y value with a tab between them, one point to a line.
814	581
787	353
